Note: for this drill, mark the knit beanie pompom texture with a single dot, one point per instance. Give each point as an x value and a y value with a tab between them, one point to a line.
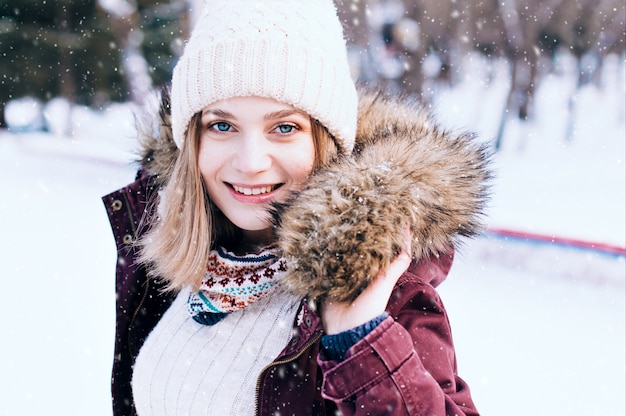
292	51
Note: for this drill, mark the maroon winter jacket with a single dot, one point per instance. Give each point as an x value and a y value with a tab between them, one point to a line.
405	366
403	166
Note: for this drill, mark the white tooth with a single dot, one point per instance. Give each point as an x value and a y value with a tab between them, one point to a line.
253	191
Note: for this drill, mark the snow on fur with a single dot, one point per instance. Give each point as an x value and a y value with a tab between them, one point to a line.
347	223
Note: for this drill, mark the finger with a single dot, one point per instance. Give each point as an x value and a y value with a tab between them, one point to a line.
399	265
406	231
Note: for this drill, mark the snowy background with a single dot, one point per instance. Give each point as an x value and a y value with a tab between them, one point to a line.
539	328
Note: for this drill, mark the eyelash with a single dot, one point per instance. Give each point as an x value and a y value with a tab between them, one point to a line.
214	126
292	126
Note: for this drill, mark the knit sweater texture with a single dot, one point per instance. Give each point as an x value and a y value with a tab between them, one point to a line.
188	368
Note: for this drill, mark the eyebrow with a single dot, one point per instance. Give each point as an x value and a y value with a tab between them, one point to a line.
217	112
269	116
283	113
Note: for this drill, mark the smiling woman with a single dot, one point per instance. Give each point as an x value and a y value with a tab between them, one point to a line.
275	258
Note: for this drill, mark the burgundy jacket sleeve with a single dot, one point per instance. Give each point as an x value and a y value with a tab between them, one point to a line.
406	365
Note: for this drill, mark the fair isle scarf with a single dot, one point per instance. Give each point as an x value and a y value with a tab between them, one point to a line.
232	282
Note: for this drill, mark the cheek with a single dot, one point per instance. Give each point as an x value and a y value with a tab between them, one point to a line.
302	161
205	166
211	156
209	162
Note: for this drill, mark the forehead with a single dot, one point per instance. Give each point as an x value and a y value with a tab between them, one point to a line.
251	107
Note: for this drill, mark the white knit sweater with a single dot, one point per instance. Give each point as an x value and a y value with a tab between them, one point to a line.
185	368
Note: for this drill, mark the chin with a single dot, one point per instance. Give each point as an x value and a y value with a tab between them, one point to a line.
253	226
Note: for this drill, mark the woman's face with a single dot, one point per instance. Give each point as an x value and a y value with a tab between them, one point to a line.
253	151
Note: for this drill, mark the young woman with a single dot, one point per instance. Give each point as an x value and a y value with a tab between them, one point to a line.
273	257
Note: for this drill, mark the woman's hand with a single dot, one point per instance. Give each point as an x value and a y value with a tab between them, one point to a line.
338	317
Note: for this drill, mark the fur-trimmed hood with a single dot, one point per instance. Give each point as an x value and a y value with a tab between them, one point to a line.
348	221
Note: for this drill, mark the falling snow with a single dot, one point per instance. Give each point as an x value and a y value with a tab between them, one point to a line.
538	329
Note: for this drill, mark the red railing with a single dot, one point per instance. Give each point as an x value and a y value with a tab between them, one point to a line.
603	248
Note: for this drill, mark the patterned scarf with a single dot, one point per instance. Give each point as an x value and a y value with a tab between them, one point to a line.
232	282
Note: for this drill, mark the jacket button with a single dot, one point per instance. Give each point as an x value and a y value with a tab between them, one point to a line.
294	341
127	239
308	321
116	205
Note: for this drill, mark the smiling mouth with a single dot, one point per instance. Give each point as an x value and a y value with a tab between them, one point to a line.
255	191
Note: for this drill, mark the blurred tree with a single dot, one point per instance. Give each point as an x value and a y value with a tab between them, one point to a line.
165	27
521	31
150	37
430	39
85	52
61	48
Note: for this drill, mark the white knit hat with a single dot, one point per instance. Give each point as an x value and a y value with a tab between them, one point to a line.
290	50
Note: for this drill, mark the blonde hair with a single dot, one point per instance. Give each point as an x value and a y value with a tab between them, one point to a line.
188	225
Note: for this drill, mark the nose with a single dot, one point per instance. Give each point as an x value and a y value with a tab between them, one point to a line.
253	154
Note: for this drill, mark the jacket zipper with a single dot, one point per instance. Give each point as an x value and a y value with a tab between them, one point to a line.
132	321
131	219
312	341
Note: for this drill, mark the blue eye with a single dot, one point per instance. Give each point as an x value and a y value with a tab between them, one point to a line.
286	128
222	126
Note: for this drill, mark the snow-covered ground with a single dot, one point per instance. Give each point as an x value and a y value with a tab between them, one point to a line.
539	328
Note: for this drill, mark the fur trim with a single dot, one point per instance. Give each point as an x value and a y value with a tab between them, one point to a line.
157	152
347	223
